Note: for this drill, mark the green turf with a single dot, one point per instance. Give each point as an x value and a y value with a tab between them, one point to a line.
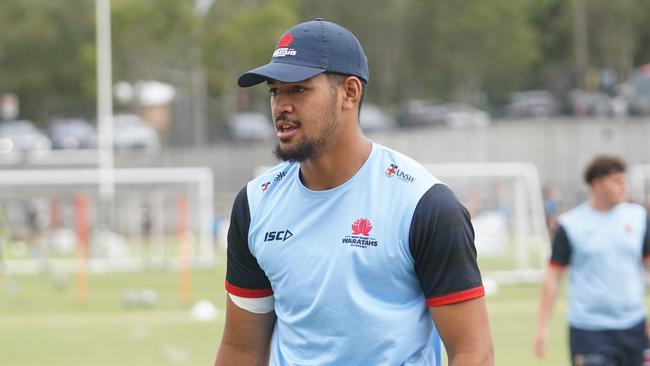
43	325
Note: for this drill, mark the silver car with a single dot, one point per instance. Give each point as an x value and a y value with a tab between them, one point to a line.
130	132
22	137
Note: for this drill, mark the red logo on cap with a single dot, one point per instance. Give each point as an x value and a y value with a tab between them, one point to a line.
285	41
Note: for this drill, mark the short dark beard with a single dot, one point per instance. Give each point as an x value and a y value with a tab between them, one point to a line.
307	149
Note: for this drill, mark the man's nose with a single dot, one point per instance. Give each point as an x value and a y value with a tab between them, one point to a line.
282	104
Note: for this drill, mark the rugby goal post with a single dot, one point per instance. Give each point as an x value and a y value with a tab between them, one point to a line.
163	219
507	208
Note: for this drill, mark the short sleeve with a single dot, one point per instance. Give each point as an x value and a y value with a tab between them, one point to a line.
561	253
244	277
441	241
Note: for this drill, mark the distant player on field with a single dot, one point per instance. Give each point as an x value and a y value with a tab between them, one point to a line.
605	244
348	253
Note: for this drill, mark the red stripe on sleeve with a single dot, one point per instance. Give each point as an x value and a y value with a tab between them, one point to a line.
249	293
456	297
557	264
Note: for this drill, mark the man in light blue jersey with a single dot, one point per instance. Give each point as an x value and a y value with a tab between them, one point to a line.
605	243
347	253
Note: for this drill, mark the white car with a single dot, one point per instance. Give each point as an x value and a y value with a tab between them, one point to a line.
464	115
131	132
372	118
251	126
22	137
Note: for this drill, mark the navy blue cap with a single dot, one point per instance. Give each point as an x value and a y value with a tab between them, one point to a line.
309	49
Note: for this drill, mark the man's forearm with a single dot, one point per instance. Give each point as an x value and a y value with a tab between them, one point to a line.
230	354
485	358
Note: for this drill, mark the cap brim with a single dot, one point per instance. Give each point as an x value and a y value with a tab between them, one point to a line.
286	73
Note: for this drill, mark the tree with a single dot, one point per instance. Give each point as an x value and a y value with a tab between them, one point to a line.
239	35
43	58
154	38
468	48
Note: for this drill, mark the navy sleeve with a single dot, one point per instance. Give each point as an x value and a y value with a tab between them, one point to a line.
441	241
561	254
646	240
244	277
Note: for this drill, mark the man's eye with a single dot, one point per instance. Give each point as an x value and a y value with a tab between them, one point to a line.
298	89
273	91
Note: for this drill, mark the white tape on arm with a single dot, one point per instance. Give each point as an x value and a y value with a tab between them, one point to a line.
258	305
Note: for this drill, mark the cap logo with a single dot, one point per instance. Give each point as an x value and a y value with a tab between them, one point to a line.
282	49
285	41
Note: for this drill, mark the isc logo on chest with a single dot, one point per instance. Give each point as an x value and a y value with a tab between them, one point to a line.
281	235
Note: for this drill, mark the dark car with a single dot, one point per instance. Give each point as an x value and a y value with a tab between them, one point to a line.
73	133
531	104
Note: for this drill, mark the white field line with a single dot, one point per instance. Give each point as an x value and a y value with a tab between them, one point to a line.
101	319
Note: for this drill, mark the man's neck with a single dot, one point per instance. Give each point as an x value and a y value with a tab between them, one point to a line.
339	162
599	204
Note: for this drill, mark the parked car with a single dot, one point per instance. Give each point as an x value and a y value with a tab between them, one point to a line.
250	126
637	91
457	115
72	133
531	104
22	137
584	103
372	118
130	132
414	113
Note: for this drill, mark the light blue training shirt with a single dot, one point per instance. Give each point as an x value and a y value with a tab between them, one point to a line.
604	252
353	269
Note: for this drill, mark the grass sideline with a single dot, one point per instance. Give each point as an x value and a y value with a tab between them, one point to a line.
42	324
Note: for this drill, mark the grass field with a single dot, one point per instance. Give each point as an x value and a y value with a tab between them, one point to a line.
44	324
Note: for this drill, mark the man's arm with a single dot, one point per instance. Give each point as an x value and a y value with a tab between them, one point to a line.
246	337
550	289
465	332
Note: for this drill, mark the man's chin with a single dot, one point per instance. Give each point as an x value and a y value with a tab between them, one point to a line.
297	153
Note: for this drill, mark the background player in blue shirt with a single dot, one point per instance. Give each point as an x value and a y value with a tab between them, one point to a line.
605	243
348	253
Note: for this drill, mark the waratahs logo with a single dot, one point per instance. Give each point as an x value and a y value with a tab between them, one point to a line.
360	234
361	227
265	186
283	47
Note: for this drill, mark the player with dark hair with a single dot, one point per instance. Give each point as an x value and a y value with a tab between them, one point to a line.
605	243
347	253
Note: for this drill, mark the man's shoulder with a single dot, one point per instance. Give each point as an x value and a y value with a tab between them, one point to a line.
266	182
574	217
633	208
402	167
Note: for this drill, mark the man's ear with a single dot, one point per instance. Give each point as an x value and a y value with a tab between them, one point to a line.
352	89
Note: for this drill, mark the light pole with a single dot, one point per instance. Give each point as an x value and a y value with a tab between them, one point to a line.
105	108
